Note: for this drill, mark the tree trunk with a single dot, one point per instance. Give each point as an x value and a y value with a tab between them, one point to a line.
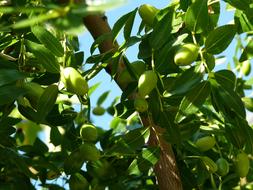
166	170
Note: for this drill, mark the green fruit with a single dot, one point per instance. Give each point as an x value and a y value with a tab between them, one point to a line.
147	13
140	105
246	67
210	164
88	132
223	166
147	82
89	152
98	110
73	81
34	91
205	143
186	54
78	182
242	164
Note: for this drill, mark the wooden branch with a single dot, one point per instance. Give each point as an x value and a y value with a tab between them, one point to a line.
166	170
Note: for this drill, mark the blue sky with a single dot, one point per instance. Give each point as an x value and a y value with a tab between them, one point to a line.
112	15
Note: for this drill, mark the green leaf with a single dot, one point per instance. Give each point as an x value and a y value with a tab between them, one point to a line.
244	21
48	40
242	4
46	58
102	98
185	82
196	18
8	76
224	78
247	52
121	23
10	93
55	136
129	25
193	100
220	38
159	37
46	101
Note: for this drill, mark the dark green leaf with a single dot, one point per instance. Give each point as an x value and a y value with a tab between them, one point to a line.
46	101
220	38
196	18
193	100
8	76
247	52
55	136
242	4
129	24
46	58
10	93
48	40
224	78
244	21
102	98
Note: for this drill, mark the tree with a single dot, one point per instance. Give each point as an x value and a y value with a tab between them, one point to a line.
190	131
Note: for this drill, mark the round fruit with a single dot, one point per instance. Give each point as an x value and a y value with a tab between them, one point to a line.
147	82
242	164
73	81
147	13
205	143
89	152
223	166
246	67
248	103
98	110
140	104
88	132
210	164
78	182
186	54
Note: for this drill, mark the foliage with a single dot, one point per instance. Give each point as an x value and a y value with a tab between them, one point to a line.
38	38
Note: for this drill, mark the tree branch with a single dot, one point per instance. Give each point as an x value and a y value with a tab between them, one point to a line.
166	169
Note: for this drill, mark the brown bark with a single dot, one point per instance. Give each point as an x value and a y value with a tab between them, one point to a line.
166	169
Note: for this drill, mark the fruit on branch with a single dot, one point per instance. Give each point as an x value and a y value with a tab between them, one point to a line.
242	164
147	13
140	105
205	143
125	77
74	81
246	67
186	54
210	164
98	110
147	82
88	132
52	174
223	166
34	91
89	151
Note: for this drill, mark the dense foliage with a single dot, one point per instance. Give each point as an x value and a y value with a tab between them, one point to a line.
203	108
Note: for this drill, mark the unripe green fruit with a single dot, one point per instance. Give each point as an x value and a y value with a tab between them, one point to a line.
34	91
223	166
73	81
205	143
147	13
147	82
246	67
98	110
186	54
248	103
89	152
210	164
88	132
242	164
140	104
78	182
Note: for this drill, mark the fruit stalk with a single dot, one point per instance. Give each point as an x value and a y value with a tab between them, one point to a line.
166	169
